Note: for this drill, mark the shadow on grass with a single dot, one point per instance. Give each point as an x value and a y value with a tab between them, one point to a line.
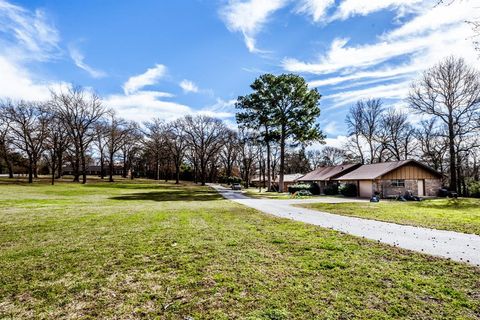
180	195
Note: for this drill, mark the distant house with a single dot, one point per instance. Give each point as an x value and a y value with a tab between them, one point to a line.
288	180
394	178
325	176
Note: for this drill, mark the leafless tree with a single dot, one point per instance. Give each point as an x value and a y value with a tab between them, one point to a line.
449	91
229	151
205	137
131	147
156	143
248	146
177	145
28	129
397	134
5	138
56	141
100	144
79	111
116	133
364	123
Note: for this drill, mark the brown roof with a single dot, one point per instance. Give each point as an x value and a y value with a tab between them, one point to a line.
375	170
290	177
327	173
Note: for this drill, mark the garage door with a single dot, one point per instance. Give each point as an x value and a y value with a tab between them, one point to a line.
366	189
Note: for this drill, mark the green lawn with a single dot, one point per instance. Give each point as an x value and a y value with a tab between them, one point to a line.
263	194
462	215
147	250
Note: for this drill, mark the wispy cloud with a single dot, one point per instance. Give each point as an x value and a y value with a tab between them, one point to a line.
249	17
149	77
350	8
188	86
317	9
27	35
395	59
79	60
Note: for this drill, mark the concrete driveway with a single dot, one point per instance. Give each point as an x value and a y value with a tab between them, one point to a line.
447	244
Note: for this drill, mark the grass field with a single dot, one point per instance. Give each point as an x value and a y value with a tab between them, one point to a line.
263	194
462	215
147	250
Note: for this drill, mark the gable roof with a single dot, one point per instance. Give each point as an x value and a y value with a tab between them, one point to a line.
327	173
376	170
290	177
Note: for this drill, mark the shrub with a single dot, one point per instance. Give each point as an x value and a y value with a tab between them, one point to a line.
349	190
315	189
299	186
331	190
474	187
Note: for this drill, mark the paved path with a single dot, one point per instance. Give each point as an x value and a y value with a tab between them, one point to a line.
448	244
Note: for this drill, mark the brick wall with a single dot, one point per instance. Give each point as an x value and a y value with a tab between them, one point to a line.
432	186
387	190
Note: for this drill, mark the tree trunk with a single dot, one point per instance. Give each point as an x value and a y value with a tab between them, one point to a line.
282	162
269	171
30	170
9	167
453	162
111	168
76	168
59	165
177	172
102	166
84	167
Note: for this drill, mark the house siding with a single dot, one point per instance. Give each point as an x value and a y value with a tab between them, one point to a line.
385	188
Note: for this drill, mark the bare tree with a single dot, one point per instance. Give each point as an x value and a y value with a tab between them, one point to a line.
5	139
449	91
28	129
205	136
177	145
100	144
229	151
79	111
397	134
130	148
116	132
248	143
55	144
156	143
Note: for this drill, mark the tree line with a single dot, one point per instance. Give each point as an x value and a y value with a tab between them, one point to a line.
74	129
438	124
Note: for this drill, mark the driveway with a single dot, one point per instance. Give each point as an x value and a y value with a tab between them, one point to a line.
447	244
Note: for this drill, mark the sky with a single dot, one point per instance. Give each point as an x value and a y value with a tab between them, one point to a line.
164	59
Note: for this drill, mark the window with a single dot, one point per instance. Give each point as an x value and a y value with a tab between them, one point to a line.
398	183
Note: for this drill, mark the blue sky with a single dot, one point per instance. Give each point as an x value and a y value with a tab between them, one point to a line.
168	58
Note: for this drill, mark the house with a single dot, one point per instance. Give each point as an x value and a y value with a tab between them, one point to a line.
394	178
288	180
325	176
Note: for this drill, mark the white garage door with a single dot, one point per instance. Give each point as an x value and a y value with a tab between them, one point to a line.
366	189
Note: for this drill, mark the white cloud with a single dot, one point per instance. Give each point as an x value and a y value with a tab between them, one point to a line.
78	58
27	35
188	86
146	105
317	9
150	77
350	8
419	43
330	127
249	17
17	83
